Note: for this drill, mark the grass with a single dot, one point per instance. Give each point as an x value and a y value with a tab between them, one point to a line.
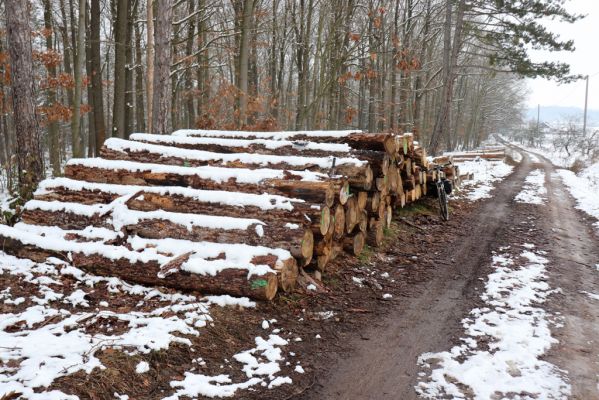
417	208
365	255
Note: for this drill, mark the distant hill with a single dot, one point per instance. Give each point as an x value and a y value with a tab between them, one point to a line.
556	113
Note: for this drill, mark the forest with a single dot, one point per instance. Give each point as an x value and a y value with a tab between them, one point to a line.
450	71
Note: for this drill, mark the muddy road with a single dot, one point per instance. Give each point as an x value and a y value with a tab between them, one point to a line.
383	364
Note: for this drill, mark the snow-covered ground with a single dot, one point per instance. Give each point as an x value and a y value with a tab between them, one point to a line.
504	340
534	190
55	319
486	174
584	187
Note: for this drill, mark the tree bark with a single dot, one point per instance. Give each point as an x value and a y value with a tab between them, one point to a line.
150	63
162	67
96	77
120	69
53	128
29	152
244	53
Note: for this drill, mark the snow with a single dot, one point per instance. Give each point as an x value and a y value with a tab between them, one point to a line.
260	364
486	174
267	143
533	190
311	287
52	342
149	250
263	201
262	135
262	160
593	296
584	188
142	367
514	334
215	174
122	216
299	369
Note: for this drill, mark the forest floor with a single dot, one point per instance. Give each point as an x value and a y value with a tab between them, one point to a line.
507	304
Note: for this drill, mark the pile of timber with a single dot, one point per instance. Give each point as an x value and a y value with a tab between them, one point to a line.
222	212
486	153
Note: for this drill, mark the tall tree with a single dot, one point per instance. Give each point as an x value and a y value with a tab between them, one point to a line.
96	76
76	141
120	68
53	129
246	14
150	62
29	152
161	101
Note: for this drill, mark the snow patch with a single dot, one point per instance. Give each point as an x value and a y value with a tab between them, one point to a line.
533	190
514	335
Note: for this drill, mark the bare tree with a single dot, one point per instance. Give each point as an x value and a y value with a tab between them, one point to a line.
161	101
29	153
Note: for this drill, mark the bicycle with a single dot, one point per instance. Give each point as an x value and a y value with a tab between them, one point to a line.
444	188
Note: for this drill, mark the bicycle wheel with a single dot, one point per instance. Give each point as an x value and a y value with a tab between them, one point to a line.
443	207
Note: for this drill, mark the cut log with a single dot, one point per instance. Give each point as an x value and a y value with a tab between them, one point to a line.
376	233
352	214
339	222
362	198
354	244
121	149
312	189
373	202
257	146
139	268
162	224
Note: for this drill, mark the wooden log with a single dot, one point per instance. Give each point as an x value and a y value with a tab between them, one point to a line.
304	214
388	216
363	224
354	244
376	233
121	149
372	205
323	250
232	281
409	183
420	157
257	146
379	161
338	222
352	214
373	141
162	224
362	198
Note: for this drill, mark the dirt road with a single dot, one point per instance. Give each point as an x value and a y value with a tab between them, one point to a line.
384	363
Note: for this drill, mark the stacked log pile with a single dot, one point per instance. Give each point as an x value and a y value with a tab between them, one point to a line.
222	212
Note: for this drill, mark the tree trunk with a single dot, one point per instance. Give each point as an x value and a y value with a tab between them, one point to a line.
162	67
131	17
450	58
150	63
120	69
140	122
91	126
244	53
76	142
53	128
29	152
96	77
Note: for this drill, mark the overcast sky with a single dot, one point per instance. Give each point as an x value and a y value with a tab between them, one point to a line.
585	60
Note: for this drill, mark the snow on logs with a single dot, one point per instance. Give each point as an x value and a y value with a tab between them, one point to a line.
222	212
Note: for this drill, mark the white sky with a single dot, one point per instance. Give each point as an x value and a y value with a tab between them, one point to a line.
585	60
